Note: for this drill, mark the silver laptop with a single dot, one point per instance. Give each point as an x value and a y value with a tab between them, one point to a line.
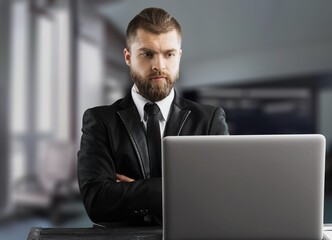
243	187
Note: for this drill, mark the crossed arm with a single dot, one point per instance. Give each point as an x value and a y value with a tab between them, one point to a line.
109	195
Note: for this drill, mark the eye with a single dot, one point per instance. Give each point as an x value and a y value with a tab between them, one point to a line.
147	54
170	54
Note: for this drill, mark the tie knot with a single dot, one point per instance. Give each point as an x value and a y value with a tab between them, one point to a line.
151	109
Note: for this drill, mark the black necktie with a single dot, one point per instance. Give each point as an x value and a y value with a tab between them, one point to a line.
153	138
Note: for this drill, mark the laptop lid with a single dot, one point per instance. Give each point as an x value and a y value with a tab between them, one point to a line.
243	187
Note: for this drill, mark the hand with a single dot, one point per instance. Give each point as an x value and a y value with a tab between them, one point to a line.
123	178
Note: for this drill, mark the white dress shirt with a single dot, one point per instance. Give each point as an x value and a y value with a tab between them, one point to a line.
164	106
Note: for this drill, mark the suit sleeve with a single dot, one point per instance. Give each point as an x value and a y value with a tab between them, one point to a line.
218	125
105	199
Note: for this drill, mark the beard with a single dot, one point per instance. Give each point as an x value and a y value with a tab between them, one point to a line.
154	90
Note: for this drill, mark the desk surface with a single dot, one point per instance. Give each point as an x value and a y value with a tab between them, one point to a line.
123	233
116	233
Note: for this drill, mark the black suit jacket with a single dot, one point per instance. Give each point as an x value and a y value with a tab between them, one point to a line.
113	141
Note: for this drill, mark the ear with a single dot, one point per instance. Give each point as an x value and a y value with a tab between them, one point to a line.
126	55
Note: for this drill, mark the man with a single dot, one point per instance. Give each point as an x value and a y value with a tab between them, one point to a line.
119	166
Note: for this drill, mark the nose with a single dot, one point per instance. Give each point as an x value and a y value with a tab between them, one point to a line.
158	64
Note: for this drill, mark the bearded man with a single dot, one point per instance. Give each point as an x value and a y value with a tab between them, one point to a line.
119	162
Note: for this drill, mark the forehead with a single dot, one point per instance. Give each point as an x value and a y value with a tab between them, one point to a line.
162	42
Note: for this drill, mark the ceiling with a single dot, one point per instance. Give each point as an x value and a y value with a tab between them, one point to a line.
220	29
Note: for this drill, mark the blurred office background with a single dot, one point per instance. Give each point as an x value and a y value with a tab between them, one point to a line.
267	62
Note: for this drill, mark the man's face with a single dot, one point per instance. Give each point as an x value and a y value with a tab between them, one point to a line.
154	61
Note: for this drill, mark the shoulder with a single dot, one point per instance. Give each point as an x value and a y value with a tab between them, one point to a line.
103	111
210	119
112	109
197	107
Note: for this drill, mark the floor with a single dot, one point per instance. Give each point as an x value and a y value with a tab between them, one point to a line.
17	228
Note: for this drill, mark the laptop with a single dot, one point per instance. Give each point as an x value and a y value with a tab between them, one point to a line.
243	187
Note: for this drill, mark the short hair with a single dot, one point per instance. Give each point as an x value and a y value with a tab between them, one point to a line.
153	20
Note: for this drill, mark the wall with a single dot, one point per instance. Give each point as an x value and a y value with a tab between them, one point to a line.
265	64
4	111
325	115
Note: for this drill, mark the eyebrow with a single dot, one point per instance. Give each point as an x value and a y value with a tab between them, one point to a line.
150	50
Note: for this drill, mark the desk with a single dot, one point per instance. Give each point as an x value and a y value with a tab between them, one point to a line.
98	233
117	233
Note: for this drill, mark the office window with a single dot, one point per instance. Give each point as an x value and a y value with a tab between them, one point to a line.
62	77
90	72
19	71
40	83
18	104
44	74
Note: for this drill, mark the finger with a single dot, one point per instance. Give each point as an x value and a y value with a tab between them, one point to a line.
123	178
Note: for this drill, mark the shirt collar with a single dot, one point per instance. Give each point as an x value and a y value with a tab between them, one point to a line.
164	104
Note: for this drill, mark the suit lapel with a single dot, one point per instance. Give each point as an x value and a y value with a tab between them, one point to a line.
177	118
130	118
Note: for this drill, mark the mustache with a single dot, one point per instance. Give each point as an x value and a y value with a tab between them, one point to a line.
158	74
